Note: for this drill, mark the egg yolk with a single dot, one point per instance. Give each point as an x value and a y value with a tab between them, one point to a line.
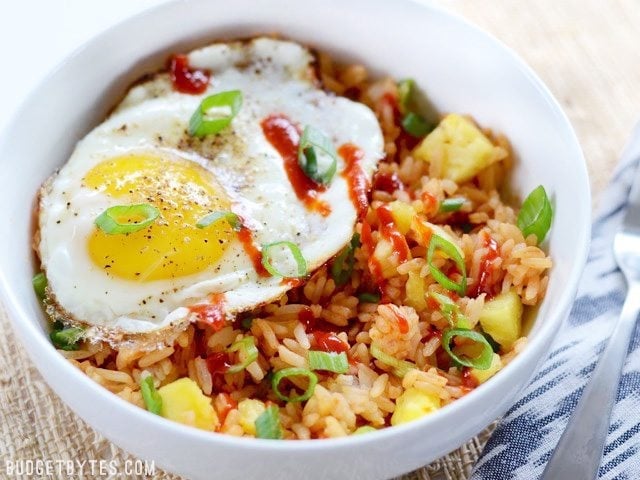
172	246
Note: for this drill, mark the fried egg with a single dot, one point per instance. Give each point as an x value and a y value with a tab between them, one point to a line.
124	285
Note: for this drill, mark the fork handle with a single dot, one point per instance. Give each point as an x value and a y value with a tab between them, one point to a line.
579	451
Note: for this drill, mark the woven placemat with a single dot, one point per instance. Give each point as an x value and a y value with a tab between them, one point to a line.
587	53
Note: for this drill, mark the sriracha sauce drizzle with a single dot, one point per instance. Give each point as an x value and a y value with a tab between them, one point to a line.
211	314
357	180
246	238
329	342
484	277
284	136
186	79
389	232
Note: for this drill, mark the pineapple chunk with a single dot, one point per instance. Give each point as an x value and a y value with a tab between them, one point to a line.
403	214
501	318
415	291
463	149
482	376
413	404
184	402
249	411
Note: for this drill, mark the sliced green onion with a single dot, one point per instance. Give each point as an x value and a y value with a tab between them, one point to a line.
248	353
405	91
136	217
482	361
267	254
328	361
364	429
40	284
342	266
246	323
438	242
450	310
415	125
268	424
151	397
201	123
369	297
66	338
536	214
311	142
232	219
294	372
451	204
398	367
495	346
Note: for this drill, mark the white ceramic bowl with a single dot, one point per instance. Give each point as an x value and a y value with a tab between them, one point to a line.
461	68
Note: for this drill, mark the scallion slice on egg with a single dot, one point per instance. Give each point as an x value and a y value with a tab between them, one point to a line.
482	358
328	361
312	143
294	372
215	113
269	250
449	249
536	214
268	424
123	219
248	354
232	219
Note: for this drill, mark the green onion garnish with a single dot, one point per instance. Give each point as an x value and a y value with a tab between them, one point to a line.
482	361
294	372
151	397
437	242
232	219
312	142
268	424
123	219
215	113
267	254
40	284
248	353
448	307
66	338
451	204
405	90
369	297
328	361
246	323
364	429
536	214
398	367
415	125
495	346
342	266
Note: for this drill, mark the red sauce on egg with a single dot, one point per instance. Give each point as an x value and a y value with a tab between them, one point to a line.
186	79
284	136
211	314
246	239
356	178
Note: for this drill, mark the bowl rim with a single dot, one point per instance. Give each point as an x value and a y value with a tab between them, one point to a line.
28	332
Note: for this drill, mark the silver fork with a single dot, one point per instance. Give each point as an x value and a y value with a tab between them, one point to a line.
580	448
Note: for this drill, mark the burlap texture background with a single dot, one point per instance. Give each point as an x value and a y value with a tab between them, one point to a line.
587	52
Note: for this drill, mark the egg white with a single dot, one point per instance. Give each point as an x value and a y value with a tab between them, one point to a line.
275	77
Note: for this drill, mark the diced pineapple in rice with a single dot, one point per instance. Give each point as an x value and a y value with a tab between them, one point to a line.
501	317
415	291
482	376
250	410
460	147
413	404
403	214
184	402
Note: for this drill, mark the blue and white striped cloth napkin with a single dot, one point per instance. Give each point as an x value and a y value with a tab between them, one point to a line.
526	436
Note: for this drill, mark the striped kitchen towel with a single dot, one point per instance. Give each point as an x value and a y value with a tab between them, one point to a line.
525	438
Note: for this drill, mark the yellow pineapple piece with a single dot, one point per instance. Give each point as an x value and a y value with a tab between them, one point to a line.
413	404
415	291
403	214
461	147
501	317
249	411
482	376
184	402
